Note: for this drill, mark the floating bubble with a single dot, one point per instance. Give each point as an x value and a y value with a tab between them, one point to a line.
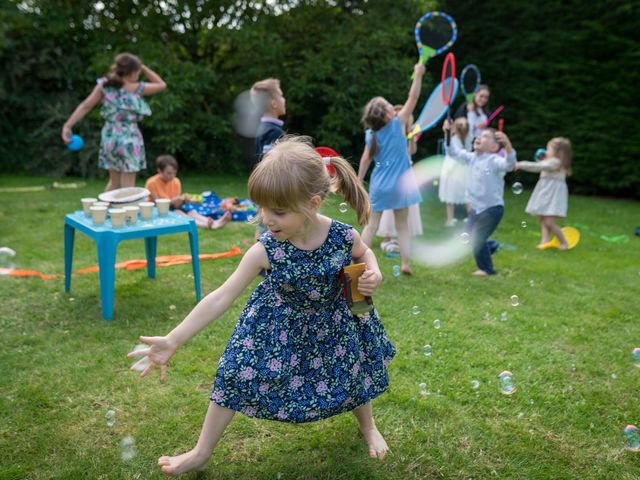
144	362
111	418
423	389
532	283
632	438
436	324
635	354
517	188
172	307
246	115
395	270
127	449
7	256
504	317
515	301
465	237
540	154
427	350
415	310
436	183
614	376
442	249
523	224
343	207
475	384
505	380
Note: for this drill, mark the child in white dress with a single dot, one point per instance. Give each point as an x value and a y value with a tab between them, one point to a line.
453	177
550	198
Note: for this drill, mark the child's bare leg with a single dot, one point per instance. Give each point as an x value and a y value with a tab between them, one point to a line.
221	222
215	422
404	238
378	447
550	223
127	179
372	227
201	221
114	180
545	235
450	209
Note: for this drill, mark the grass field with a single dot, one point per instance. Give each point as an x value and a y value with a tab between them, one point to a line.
568	345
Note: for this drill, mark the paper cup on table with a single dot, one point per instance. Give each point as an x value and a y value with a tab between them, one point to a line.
87	203
98	214
117	217
163	206
131	215
146	210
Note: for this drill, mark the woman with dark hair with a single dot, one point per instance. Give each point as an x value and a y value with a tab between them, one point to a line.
121	91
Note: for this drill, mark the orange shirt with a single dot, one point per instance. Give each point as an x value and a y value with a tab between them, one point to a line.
162	189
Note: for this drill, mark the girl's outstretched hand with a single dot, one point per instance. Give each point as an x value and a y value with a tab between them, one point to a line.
162	349
369	282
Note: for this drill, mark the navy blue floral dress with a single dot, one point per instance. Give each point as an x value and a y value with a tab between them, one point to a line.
297	353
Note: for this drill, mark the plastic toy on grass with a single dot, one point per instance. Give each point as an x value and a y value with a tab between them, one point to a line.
194	197
358	303
570	233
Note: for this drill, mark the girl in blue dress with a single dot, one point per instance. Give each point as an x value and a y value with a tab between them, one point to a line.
392	185
297	353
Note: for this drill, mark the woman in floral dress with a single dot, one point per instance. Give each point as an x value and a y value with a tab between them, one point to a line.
121	145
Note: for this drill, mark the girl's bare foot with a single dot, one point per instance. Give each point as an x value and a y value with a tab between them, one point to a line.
378	447
186	462
221	222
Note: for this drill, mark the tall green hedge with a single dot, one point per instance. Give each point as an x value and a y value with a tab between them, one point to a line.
561	68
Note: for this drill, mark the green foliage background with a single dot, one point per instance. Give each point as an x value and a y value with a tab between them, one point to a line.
562	68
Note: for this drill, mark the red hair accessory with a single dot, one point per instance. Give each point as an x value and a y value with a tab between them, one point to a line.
327	153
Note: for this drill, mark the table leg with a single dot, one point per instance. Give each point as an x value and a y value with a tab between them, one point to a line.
107	266
195	258
69	234
150	247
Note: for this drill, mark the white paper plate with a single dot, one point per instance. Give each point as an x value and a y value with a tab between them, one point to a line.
123	196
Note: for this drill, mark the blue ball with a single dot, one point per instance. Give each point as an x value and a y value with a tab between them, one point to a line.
76	143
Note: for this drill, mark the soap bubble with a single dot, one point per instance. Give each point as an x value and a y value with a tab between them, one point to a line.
343	207
523	224
436	324
427	350
436	183
246	115
415	310
446	249
515	301
141	364
423	389
127	449
517	188
532	283
504	317
636	356
540	154
632	438
614	376
172	307
395	270
475	384
7	256
505	379
465	237
111	418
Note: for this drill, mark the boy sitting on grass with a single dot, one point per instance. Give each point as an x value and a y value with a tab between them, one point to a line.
165	184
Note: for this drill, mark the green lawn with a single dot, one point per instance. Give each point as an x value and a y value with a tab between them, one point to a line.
568	345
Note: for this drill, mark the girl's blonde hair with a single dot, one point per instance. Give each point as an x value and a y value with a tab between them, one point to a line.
461	128
123	65
563	152
292	173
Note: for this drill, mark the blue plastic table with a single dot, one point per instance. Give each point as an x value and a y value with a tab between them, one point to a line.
107	239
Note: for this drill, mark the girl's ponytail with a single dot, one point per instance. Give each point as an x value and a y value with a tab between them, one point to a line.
346	182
